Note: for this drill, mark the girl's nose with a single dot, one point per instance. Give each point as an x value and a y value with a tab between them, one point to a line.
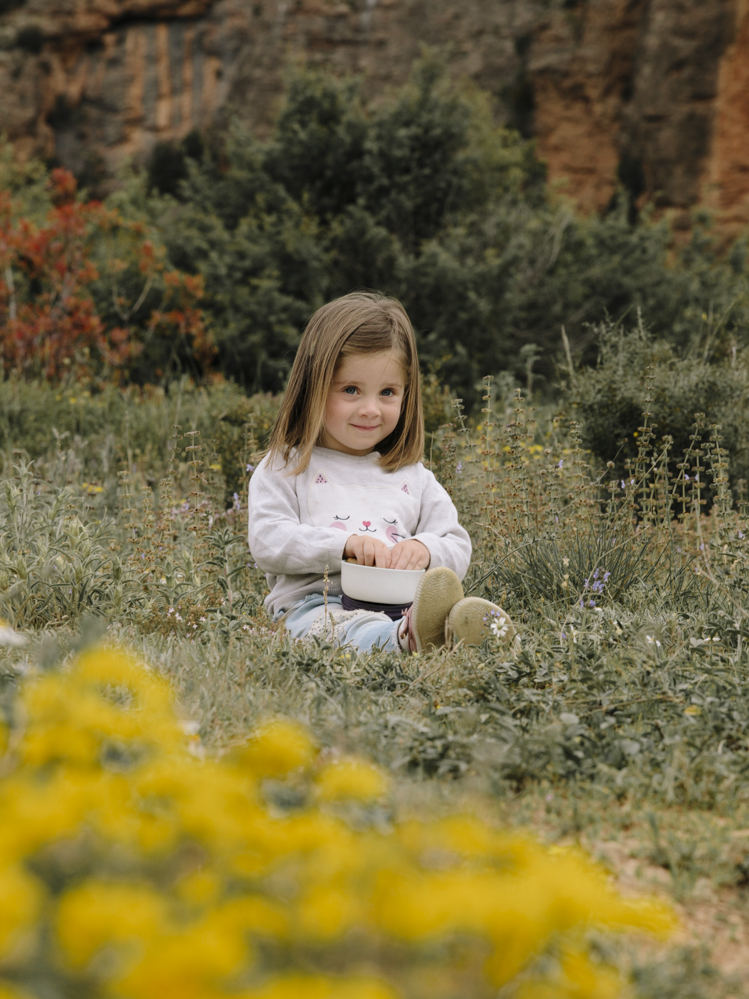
369	406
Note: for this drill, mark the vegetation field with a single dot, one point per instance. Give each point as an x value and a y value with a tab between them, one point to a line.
602	473
620	726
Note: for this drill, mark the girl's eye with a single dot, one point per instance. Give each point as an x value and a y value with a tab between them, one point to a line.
350	390
389	521
389	392
336	517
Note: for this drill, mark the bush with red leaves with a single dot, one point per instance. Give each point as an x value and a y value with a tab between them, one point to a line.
87	293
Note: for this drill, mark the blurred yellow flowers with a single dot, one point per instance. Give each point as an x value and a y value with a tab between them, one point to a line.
132	869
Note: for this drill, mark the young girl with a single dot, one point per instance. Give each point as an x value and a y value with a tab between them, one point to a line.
343	479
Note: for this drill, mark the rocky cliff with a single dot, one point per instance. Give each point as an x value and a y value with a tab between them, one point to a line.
652	93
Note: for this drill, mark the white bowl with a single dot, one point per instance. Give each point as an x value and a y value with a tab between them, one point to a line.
379	586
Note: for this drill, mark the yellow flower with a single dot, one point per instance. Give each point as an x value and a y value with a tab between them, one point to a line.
277	748
186	962
327	911
10	992
352	779
99	914
103	781
20	903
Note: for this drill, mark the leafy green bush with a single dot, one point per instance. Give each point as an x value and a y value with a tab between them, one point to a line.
423	197
637	372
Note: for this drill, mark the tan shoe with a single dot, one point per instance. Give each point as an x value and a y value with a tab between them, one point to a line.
473	620
437	593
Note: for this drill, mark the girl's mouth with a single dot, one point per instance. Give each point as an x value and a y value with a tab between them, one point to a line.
357	426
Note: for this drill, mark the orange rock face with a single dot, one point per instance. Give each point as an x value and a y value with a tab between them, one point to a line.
649	94
726	173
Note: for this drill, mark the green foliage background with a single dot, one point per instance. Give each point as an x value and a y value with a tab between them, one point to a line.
425	198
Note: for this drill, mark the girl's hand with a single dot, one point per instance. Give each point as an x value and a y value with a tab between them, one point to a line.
367	551
410	554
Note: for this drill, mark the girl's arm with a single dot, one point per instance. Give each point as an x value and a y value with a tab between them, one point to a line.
279	543
439	529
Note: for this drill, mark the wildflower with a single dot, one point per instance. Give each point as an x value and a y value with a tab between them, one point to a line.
623	484
561	463
459	467
353	779
499	628
250	468
237	504
652	641
278	748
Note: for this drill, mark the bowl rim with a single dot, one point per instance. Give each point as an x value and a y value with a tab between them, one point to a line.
380	568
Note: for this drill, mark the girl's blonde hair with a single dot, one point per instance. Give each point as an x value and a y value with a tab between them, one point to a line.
359	323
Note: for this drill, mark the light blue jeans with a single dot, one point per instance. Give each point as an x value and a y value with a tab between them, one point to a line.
364	630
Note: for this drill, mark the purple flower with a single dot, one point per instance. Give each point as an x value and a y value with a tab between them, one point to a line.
561	463
459	467
624	486
250	468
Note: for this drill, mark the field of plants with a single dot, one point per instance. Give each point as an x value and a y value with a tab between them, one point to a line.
620	727
221	811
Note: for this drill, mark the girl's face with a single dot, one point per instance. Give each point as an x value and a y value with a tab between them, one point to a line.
364	402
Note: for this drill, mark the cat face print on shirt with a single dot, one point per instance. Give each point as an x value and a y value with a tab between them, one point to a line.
388	513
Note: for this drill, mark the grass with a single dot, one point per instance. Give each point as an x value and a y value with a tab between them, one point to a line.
623	723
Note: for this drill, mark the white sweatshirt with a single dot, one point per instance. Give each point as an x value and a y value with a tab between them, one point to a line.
299	524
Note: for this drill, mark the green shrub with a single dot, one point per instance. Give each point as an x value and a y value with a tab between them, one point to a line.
633	366
423	197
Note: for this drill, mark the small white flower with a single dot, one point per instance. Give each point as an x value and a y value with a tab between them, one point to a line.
499	628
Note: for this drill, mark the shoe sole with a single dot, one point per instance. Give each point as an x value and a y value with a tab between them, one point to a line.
437	593
470	622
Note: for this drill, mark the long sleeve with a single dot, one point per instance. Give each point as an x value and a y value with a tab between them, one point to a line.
440	531
280	544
